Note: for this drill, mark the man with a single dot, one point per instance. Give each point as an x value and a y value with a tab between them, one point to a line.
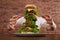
41	22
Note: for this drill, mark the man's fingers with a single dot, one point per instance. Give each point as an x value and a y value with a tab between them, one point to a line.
12	23
12	20
12	26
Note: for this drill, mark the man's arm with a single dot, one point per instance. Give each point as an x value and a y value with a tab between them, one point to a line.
12	23
49	25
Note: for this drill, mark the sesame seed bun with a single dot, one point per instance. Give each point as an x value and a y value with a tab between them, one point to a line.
30	6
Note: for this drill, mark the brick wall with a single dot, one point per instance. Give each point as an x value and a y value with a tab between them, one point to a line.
8	8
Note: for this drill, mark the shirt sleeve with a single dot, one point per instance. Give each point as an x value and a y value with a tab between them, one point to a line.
20	21
40	21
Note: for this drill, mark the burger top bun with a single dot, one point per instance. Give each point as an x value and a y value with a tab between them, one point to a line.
30	6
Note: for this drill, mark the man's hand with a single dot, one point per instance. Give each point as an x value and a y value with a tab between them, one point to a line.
12	23
49	25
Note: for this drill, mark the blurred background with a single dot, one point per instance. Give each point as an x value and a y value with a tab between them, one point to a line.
8	8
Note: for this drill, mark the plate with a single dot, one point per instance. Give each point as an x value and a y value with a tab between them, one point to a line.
30	35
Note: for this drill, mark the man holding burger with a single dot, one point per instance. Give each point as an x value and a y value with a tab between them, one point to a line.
45	22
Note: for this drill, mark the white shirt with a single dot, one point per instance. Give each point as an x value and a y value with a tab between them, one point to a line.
40	21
